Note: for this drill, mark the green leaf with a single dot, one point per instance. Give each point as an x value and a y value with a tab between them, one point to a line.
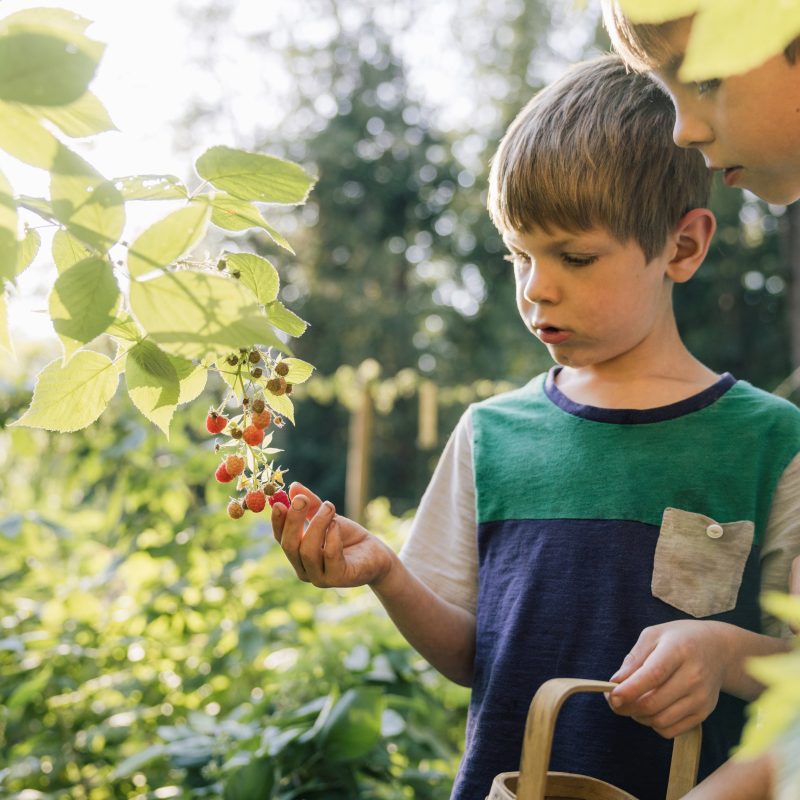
257	274
238	215
8	231
124	327
192	378
783	606
151	187
285	320
168	239
27	249
657	11
89	205
83	302
353	726
138	760
30	689
87	116
280	404
251	176
67	250
71	396
196	314
252	780
5	335
152	383
299	371
43	70
38	205
58	22
23	136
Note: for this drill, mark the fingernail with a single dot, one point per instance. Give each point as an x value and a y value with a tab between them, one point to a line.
299	503
615	701
328	507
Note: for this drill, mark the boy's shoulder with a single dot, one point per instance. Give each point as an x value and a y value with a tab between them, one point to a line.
763	406
527	394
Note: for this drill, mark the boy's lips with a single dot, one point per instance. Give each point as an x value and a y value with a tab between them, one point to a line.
729	174
551	335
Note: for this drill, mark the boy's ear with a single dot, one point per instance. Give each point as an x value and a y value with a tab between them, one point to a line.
691	239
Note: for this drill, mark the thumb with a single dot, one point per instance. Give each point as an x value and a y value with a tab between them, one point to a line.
637	656
314	501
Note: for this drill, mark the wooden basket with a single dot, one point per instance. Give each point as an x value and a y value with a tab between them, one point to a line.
534	782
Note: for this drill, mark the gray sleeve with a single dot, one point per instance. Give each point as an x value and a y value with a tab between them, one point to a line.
781	542
441	549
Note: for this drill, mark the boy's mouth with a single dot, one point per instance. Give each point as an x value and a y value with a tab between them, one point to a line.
730	175
551	335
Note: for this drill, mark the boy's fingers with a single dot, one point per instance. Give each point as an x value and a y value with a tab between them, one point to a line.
314	501
655	672
311	555
277	519
633	661
292	533
794	577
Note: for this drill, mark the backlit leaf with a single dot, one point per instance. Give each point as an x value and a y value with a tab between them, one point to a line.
24	137
83	302
43	70
252	176
27	249
87	116
280	404
151	187
299	371
257	274
238	215
124	327
152	383
67	250
8	230
656	11
285	320
196	314
71	396
168	239
192	378
5	335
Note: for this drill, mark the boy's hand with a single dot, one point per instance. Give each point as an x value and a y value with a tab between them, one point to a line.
330	550
672	678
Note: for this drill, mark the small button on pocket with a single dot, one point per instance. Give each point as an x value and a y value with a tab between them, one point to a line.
699	562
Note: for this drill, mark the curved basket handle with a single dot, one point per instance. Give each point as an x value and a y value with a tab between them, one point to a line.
538	741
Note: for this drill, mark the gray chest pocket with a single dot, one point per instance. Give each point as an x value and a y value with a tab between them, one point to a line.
699	562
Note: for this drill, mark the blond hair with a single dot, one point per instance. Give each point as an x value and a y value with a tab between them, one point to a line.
595	149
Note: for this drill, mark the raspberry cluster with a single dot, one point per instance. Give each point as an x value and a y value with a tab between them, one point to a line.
247	457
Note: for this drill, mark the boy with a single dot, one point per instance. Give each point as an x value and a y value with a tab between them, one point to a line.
746	126
629	491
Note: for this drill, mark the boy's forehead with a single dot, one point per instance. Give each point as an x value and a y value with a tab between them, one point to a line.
672	48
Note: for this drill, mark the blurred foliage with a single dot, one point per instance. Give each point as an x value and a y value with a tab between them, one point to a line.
151	648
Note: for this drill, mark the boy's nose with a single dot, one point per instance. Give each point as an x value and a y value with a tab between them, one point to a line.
690	129
539	287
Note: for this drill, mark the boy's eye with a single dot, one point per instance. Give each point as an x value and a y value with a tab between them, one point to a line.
707	86
517	258
573	260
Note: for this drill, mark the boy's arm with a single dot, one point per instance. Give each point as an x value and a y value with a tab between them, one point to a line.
672	678
335	551
736	780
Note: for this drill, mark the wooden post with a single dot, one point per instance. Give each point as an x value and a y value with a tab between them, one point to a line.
359	450
427	424
793	257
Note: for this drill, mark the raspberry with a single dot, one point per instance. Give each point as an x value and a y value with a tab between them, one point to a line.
234	465
280	497
256	372
258	406
215	423
222	474
278	421
262	420
270	488
253	435
256	500
232	359
282	368
254	357
236	433
235	509
288	388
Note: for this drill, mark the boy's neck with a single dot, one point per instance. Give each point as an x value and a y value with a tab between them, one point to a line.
636	386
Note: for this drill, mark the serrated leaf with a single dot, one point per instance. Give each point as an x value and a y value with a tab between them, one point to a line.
229	376
299	371
23	136
196	314
87	116
27	249
58	22
234	214
85	202
257	274
8	231
152	383
67	250
657	11
43	70
71	396
151	187
280	404
38	205
168	239
5	335
124	327
83	302
192	379
252	176
285	320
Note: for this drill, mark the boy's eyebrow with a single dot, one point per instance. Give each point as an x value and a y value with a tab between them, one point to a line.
672	65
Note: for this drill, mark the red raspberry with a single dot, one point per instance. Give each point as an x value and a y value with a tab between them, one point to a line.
262	420
256	500
280	497
215	423
253	435
235	510
234	465
222	474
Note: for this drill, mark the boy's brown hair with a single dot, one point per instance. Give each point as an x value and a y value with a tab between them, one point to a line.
644	46
595	149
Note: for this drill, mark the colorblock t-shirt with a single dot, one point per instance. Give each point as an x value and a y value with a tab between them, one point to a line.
568	529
